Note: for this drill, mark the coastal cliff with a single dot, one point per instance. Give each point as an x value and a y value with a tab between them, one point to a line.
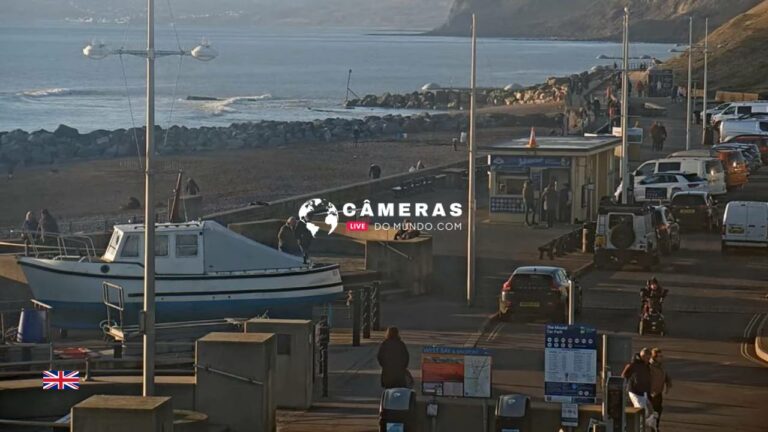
737	60
652	20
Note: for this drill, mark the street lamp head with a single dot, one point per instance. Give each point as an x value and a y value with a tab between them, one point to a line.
204	52
96	50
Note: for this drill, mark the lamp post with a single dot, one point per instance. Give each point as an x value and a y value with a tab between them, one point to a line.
99	51
691	49
704	102
625	112
690	78
472	203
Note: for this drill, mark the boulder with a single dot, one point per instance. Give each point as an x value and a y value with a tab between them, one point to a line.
64	131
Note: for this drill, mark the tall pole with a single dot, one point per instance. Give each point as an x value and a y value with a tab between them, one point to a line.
690	79
625	113
472	204
704	103
148	386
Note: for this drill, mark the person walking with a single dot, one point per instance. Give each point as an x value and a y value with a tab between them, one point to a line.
393	358
638	376
549	198
29	228
529	202
662	135
286	238
303	238
192	188
660	383
564	201
655	136
355	136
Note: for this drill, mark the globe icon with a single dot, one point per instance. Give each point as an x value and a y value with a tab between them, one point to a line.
317	205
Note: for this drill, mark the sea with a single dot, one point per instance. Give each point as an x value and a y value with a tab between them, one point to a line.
287	74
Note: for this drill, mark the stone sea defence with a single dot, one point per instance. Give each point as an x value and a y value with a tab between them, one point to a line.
434	97
21	148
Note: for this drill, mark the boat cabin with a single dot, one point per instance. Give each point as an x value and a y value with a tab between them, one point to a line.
196	248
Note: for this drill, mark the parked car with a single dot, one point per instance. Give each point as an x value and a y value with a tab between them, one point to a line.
663	186
625	233
760	140
708	167
538	291
696	210
746	126
736	168
667	229
745	224
750	151
737	109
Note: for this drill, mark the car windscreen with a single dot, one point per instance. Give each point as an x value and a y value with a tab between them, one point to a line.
531	281
688	200
693	178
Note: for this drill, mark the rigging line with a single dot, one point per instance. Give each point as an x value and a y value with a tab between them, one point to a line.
173	102
130	109
173	25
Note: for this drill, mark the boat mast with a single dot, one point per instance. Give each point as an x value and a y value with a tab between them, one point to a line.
148	314
349	78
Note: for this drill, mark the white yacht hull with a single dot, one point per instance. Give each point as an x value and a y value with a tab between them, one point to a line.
74	290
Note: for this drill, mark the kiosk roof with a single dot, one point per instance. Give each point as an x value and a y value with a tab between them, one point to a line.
556	144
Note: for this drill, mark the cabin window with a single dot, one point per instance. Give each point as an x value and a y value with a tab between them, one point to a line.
161	246
131	246
186	245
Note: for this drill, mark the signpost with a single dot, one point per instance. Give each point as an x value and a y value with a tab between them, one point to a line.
457	372
570	364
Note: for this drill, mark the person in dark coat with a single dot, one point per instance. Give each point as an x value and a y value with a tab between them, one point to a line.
374	172
393	358
192	188
638	376
303	237
286	238
48	224
356	136
564	200
549	199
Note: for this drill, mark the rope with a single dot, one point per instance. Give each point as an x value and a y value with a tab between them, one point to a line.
130	109
178	74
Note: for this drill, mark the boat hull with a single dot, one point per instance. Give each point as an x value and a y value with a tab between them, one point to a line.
75	291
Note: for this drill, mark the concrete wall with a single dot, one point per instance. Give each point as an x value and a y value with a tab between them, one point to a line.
265	232
455	414
293	387
227	399
25	399
408	262
354	192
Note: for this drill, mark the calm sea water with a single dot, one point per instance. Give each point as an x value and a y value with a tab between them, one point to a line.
277	74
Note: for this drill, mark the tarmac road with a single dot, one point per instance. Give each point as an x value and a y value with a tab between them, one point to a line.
713	309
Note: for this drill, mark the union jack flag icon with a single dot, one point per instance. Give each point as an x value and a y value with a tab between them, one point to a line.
61	380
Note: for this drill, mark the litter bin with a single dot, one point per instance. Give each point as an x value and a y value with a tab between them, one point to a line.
588	237
397	410
513	413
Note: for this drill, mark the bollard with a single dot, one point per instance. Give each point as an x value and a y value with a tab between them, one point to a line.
117	350
367	312
87	369
375	306
356	317
323	339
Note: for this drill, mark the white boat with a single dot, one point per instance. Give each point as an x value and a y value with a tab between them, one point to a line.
203	271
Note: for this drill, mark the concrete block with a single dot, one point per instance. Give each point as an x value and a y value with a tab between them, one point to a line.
123	414
293	375
235	380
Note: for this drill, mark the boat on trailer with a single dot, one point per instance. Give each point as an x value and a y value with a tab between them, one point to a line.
202	269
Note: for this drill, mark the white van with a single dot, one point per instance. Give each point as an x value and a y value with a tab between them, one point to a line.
705	167
738	109
745	224
752	126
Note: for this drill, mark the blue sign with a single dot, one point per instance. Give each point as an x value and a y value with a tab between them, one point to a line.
521	163
570	364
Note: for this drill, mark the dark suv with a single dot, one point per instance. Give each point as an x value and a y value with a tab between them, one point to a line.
695	209
540	291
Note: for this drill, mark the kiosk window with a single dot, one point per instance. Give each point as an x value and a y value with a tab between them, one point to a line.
509	185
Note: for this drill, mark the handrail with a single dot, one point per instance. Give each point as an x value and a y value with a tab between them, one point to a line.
402	254
32	423
208	368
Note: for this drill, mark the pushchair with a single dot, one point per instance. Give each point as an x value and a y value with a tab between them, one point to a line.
651	315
